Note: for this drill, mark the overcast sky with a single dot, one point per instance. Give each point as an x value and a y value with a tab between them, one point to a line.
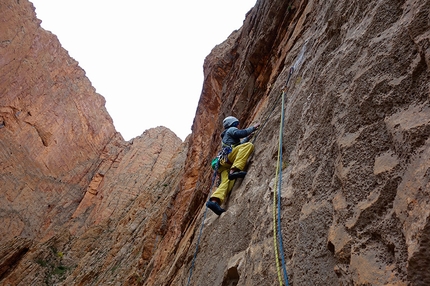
145	57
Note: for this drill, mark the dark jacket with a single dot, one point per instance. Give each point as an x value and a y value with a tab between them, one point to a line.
232	136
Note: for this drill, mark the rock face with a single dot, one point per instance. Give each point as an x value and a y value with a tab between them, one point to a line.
80	206
54	127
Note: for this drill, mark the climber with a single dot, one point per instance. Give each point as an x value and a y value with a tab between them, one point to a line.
236	150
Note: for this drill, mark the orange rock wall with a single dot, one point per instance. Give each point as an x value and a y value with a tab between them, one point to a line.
355	145
54	127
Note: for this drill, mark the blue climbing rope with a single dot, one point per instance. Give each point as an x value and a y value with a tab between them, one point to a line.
281	246
281	133
201	228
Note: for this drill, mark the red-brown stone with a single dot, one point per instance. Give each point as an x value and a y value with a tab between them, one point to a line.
80	206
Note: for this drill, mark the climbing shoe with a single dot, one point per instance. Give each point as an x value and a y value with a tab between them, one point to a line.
214	206
237	174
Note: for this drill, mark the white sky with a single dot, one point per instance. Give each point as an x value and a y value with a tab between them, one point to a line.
145	57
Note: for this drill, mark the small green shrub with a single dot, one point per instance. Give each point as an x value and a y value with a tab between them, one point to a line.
41	262
60	270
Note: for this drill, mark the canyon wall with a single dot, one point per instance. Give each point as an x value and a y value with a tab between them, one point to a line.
80	206
355	177
54	127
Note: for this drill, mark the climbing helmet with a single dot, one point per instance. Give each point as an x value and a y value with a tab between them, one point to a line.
229	121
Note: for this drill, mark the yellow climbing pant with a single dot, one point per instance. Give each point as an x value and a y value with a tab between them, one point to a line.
236	159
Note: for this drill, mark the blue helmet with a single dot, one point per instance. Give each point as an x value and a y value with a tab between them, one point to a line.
230	121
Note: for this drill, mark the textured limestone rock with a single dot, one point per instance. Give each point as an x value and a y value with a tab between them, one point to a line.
11	253
54	127
356	135
65	173
354	196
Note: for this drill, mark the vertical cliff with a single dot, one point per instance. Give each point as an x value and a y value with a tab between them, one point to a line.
82	207
355	147
53	127
68	180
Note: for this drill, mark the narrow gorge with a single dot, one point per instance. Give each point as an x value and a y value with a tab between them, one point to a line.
81	206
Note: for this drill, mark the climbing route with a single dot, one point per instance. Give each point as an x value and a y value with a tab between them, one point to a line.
277	230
